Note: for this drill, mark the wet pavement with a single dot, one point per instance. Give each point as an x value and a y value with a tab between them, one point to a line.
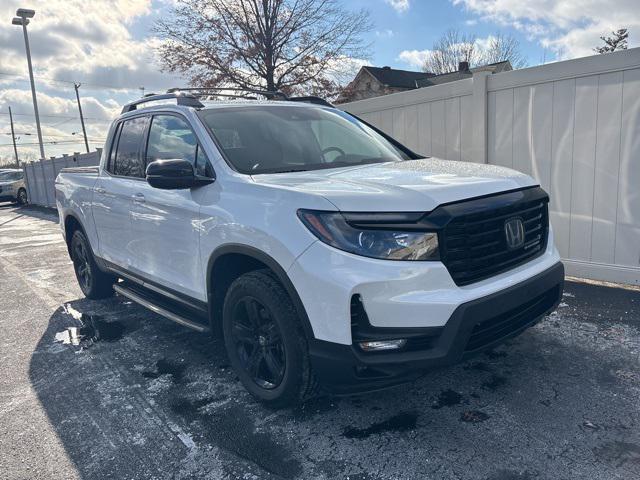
106	389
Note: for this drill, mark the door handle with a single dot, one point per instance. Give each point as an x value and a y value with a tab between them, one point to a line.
100	190
138	198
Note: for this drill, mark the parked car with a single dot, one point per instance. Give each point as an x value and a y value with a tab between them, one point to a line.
325	254
12	186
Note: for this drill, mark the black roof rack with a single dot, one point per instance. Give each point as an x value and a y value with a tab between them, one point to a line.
312	99
190	97
182	99
220	92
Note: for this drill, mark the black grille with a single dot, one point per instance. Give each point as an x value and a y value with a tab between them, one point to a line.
473	243
508	323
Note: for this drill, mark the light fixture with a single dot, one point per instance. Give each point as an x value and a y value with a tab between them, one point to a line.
381	345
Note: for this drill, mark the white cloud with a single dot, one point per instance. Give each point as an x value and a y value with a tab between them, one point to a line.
415	58
571	28
98	43
485	43
399	6
388	33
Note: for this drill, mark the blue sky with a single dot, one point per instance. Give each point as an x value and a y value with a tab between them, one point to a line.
424	22
107	45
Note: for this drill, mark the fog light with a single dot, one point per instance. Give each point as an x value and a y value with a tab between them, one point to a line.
378	345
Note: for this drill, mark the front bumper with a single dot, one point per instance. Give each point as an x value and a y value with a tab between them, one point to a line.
473	327
394	293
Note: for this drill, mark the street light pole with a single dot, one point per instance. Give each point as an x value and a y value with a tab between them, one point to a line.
13	138
23	16
84	130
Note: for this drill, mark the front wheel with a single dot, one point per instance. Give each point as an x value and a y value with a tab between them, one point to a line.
22	197
93	282
265	341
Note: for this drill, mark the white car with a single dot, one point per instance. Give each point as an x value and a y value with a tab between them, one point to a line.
12	186
324	253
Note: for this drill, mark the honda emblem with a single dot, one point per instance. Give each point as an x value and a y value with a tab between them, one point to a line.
514	233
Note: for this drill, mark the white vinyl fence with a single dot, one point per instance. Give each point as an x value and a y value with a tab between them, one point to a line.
573	125
40	176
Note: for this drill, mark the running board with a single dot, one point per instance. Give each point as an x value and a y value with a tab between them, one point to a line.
154	307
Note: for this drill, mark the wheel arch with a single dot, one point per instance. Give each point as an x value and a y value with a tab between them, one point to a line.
71	224
242	259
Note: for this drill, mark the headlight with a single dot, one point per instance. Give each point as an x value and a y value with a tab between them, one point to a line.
381	242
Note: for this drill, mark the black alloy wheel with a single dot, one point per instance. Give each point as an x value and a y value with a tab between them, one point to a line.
265	341
258	342
93	282
82	266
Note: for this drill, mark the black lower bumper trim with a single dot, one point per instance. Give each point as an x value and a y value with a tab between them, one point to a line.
472	328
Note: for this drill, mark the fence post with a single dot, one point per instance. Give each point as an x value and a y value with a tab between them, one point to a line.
44	183
480	130
36	185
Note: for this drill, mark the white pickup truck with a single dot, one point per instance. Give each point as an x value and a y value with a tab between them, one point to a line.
323	252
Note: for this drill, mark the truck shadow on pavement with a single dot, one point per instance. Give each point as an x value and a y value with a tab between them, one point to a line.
132	395
35	211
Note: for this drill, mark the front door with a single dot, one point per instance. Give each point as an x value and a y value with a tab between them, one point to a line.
112	196
165	223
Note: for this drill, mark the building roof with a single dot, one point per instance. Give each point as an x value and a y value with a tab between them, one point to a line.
397	78
462	74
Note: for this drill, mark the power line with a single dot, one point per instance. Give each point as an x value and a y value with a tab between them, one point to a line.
44	134
53	142
66	118
69	82
55	116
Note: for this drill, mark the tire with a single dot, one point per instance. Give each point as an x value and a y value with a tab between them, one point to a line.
21	198
93	282
265	342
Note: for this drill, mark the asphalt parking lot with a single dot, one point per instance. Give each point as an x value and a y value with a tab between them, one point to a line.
141	397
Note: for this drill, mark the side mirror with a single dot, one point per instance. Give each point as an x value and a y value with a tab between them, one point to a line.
174	174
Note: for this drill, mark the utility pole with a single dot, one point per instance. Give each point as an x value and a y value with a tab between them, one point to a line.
22	19
84	131
13	138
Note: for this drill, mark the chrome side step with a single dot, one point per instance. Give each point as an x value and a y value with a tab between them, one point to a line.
134	296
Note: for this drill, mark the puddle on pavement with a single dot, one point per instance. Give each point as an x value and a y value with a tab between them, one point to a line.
398	423
92	329
447	398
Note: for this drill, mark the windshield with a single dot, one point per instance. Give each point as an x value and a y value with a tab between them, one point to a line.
276	138
9	176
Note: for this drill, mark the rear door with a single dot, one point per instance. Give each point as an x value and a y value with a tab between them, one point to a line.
114	189
165	223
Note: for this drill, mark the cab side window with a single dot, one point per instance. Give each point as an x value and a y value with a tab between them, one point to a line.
171	137
127	161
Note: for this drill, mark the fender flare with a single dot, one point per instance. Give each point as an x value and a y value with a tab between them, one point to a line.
273	265
101	264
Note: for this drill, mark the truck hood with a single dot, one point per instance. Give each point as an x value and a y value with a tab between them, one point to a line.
411	185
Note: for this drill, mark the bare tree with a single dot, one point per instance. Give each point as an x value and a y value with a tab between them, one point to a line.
501	48
455	47
617	41
289	45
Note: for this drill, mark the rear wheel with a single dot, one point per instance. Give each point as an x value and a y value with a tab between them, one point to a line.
93	282
22	197
265	341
